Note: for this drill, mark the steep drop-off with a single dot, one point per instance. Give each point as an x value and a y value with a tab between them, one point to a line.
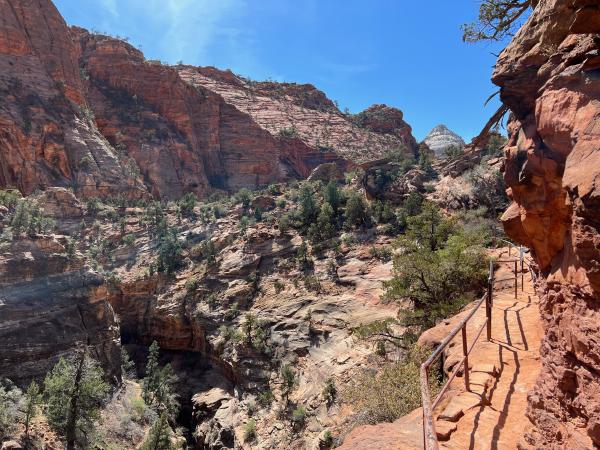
550	79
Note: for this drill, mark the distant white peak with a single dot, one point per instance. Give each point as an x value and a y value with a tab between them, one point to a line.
441	137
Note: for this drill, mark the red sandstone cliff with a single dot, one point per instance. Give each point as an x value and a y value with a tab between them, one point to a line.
549	78
88	111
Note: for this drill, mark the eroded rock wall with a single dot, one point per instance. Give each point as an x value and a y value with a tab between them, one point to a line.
550	79
51	305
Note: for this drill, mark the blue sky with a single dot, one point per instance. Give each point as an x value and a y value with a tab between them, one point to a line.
359	52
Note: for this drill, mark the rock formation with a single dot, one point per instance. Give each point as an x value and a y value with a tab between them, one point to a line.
51	305
88	111
549	78
440	138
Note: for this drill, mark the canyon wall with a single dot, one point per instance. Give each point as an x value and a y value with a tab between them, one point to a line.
50	306
549	77
88	111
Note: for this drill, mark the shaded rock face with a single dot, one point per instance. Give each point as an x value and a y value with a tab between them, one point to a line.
49	306
441	138
549	78
88	111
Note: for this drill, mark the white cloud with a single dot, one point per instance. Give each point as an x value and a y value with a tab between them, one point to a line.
191	25
110	6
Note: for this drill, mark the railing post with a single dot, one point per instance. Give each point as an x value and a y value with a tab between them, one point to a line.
516	278
466	355
522	272
488	302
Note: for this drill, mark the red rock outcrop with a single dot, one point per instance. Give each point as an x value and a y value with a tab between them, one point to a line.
88	111
549	78
46	128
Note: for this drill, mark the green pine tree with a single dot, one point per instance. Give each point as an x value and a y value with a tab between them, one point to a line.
157	386
33	399
159	437
75	391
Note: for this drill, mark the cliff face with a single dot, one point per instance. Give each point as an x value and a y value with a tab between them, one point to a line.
88	111
50	305
45	126
550	79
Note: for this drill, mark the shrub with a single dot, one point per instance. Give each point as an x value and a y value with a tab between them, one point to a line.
250	408
299	416
86	162
453	152
191	285
27	217
437	269
127	365
283	224
93	205
169	253
312	283
128	239
383	253
279	286
324	227
329	391
288	378
390	393
309	210
11	399
250	430
333	195
9	198
243	196
187	204
265	398
140	413
355	214
289	132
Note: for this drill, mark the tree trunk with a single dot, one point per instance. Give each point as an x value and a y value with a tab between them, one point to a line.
74	406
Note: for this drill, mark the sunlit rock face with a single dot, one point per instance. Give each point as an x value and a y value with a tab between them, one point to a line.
440	138
88	111
549	78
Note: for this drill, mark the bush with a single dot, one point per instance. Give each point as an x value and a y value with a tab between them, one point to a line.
250	430
279	286
391	393
283	224
290	132
438	269
169	253
265	398
299	416
324	227
453	152
11	399
355	214
187	204
288	378
329	391
308	206
333	195
27	217
93	205
312	283
243	196
191	285
128	239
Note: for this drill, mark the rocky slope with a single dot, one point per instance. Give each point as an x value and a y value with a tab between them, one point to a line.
548	77
441	138
88	111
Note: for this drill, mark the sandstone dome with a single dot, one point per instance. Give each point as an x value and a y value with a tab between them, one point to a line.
440	138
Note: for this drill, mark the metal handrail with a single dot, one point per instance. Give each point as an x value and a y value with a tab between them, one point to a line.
430	441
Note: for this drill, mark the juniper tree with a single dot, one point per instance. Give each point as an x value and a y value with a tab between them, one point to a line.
497	19
157	385
75	391
32	402
159	437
